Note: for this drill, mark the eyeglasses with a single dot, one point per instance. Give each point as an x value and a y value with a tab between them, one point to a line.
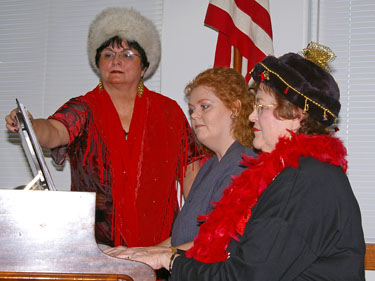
123	55
259	107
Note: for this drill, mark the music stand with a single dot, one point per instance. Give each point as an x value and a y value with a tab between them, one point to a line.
33	151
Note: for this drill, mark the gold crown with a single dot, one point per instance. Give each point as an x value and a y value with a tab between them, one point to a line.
319	54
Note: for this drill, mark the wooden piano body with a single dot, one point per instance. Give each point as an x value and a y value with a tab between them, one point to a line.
49	235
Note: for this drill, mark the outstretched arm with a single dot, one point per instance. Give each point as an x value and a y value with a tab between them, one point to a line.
50	133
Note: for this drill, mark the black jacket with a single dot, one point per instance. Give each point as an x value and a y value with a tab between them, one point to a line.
305	226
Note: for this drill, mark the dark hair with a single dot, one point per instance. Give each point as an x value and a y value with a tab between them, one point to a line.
229	86
117	41
287	110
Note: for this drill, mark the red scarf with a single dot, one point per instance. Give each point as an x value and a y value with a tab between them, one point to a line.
229	218
144	167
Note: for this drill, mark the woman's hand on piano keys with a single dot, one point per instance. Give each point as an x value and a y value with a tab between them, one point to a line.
156	256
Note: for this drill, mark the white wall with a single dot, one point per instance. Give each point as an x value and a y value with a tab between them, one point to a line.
189	46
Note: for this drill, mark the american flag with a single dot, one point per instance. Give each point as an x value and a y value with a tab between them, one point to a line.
244	24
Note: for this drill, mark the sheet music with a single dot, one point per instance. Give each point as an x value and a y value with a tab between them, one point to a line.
33	150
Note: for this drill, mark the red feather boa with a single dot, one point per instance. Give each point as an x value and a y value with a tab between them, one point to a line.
229	218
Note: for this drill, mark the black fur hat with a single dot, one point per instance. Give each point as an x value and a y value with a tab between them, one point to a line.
304	81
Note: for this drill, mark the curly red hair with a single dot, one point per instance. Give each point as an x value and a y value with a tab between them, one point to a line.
230	87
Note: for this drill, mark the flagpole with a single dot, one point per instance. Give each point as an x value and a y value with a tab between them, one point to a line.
237	61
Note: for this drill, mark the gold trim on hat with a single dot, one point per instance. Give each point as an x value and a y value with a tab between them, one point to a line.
301	94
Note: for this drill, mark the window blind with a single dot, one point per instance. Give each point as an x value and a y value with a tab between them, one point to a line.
44	63
348	28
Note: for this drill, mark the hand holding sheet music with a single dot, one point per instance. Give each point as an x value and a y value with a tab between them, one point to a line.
42	177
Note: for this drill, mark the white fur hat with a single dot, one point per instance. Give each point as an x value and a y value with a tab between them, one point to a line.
130	25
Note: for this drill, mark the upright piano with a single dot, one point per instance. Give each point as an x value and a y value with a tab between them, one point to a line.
49	235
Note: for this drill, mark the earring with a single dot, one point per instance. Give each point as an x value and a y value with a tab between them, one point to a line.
141	88
233	116
100	85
